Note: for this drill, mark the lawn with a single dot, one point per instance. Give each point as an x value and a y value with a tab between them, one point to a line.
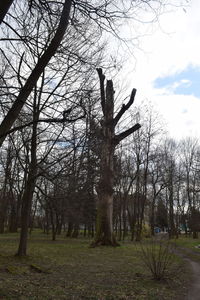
188	245
188	242
69	269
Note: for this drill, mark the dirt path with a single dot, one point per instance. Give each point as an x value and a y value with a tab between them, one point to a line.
194	286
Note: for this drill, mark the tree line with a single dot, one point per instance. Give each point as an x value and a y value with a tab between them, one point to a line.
156	181
60	137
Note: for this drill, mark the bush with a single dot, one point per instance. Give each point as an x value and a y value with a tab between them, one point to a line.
158	257
146	231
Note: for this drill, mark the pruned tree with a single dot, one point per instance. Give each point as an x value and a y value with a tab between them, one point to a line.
109	141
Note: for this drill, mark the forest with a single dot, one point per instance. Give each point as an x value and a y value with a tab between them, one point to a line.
79	159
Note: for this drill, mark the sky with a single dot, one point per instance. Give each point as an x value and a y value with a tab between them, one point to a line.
166	69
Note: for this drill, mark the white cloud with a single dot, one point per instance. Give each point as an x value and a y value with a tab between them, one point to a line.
177	84
181	113
167	52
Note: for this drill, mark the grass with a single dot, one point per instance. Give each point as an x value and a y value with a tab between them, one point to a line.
69	269
188	242
188	245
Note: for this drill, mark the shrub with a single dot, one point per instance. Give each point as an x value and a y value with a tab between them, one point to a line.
146	231
157	256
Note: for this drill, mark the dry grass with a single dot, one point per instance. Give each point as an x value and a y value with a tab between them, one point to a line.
69	269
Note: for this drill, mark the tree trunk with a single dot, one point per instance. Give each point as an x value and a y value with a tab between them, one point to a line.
85	230
59	226
3	212
69	229
52	215
195	235
29	186
172	229
76	230
108	140
2	222
104	226
120	226
25	214
152	218
46	221
13	224
124	209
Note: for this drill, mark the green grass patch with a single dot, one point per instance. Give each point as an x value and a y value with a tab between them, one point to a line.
69	269
188	246
189	242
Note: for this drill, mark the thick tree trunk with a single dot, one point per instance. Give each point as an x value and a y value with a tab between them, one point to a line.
104	226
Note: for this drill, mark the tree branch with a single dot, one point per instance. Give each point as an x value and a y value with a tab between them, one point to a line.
26	90
125	107
47	120
118	138
102	79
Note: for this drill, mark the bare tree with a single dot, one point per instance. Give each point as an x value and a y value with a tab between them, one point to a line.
109	141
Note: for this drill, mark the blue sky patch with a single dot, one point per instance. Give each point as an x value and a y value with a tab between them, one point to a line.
186	82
